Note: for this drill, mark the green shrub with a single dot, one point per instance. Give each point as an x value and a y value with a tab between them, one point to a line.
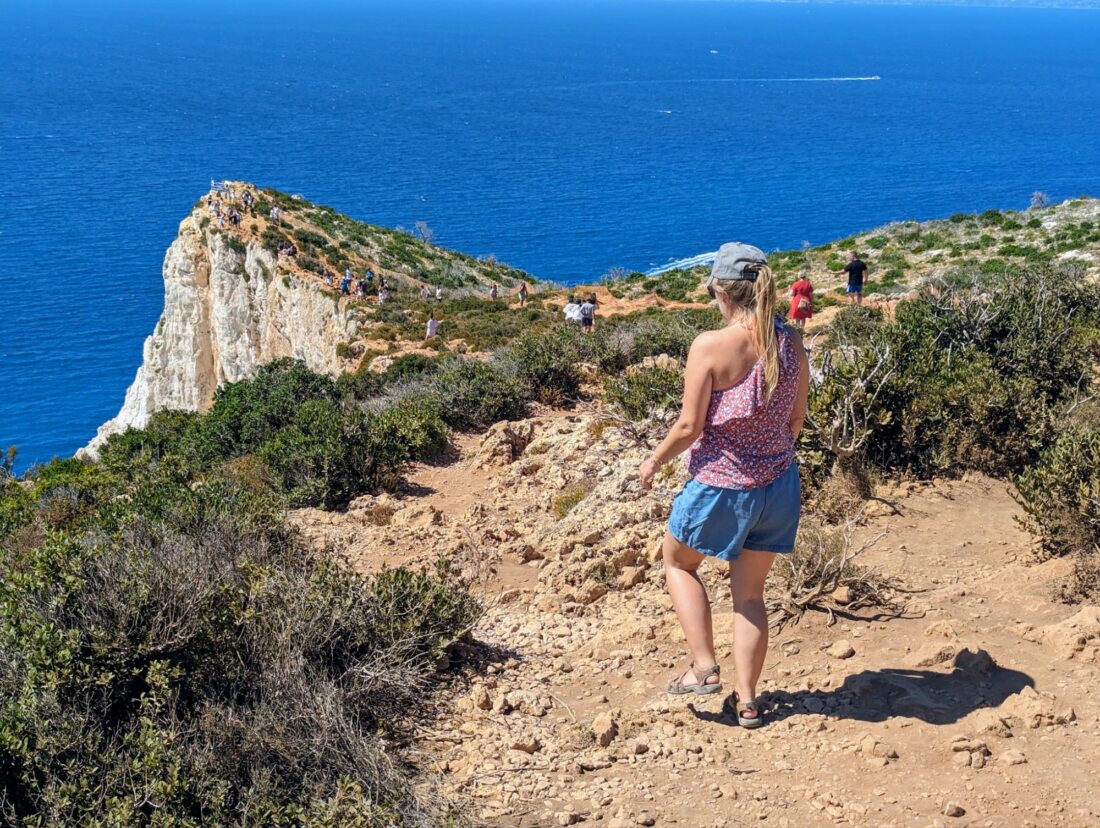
1061	494
546	365
642	393
856	322
408	366
218	675
409	428
322	457
472	393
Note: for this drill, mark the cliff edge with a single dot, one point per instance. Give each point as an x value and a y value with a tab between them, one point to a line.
254	275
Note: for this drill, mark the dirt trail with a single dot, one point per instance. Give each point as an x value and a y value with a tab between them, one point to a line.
980	702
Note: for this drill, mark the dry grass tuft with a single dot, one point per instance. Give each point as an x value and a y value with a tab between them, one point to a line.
821	575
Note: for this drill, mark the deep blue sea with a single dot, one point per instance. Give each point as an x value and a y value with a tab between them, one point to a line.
564	137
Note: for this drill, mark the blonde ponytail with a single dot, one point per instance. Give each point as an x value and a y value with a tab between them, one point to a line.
764	327
757	297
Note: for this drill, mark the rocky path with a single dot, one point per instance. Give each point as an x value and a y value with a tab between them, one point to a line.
978	708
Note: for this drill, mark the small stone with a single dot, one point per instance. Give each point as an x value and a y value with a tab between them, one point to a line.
479	697
526	743
604	729
841	649
977	761
630	576
645	819
953	809
1012	757
639	747
569	818
843	595
963	759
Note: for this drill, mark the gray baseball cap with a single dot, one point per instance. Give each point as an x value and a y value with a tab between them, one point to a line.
732	259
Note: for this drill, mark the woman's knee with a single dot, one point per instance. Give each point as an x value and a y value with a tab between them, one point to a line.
678	556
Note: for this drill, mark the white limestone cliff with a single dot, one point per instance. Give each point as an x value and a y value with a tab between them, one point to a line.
225	314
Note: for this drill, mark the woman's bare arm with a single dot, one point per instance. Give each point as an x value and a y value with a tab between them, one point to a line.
698	382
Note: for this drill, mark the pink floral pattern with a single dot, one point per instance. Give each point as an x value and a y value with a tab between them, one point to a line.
746	442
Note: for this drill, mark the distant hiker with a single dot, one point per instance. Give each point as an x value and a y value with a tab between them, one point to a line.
349	273
588	314
433	325
802	301
345	285
745	392
424	293
361	288
383	294
493	292
522	294
275	213
855	270
248	200
369	274
328	277
572	311
439	294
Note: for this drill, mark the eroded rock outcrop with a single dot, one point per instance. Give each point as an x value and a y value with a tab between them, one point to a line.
228	309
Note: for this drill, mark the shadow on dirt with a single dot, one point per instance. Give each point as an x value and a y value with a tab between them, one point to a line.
975	683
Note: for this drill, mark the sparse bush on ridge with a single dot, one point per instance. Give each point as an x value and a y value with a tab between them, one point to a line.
646	392
1060	495
170	655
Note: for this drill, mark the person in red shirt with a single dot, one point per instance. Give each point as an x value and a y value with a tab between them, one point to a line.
802	301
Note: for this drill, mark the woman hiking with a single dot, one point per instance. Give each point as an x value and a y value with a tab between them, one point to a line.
745	391
802	301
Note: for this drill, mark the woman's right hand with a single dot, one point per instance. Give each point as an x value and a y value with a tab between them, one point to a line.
646	471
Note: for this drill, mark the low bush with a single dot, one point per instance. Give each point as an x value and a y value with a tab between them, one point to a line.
646	392
546	365
1061	497
204	669
474	394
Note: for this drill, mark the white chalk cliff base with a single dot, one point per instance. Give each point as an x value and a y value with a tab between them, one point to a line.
225	314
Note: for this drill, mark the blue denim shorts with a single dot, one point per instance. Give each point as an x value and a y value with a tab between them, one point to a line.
722	522
855	288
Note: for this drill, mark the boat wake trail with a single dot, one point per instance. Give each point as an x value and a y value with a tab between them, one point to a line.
669	81
679	264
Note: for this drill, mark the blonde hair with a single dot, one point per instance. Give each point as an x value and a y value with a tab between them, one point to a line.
758	298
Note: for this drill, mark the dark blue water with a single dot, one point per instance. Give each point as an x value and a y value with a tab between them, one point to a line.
564	137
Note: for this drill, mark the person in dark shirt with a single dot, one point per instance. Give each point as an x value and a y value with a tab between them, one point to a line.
855	270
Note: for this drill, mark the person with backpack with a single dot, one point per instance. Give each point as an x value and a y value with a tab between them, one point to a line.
802	301
746	387
588	314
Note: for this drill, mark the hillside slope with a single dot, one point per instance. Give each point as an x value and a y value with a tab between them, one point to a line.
234	302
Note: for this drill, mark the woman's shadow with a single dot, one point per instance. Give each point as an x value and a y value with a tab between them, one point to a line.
976	682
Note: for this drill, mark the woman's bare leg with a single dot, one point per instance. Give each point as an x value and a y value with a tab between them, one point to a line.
689	597
750	619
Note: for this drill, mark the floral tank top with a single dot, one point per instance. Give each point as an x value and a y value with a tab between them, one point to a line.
746	442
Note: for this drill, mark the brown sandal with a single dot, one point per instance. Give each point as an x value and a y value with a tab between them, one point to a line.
737	708
676	686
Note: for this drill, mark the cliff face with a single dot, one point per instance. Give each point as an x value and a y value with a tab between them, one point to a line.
226	312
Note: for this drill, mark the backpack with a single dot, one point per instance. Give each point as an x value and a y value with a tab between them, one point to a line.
805	305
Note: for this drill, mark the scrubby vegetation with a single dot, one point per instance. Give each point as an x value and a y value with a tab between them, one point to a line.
170	654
